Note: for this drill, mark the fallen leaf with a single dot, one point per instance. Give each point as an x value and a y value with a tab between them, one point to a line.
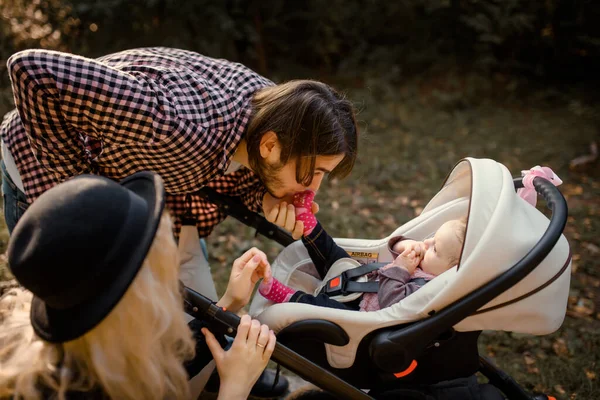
559	389
587	158
574	267
390	221
529	359
560	347
584	307
592	248
533	370
591	375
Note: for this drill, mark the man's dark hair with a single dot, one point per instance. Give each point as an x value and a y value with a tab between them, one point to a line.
310	119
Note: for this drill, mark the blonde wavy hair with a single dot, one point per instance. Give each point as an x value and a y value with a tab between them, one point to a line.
136	352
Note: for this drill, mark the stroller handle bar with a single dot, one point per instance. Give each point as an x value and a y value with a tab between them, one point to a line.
220	320
410	341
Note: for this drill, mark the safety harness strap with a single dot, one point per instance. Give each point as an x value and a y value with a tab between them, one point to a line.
344	284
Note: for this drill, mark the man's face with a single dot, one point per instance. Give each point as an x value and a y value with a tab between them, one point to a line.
280	180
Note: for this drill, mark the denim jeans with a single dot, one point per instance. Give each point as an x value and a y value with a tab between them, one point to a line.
322	300
15	201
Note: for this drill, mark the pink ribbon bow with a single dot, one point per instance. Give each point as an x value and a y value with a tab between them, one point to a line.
528	192
303	203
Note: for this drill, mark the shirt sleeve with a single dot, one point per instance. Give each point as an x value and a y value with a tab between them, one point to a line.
71	107
393	241
63	98
394	286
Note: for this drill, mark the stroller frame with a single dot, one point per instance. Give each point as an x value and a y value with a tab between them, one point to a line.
405	342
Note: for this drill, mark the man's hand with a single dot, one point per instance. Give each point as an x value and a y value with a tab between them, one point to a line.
282	213
245	273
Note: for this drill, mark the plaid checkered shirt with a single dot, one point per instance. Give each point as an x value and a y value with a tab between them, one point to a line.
174	112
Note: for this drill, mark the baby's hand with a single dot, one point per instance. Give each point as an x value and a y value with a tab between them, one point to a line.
402	245
408	260
418	248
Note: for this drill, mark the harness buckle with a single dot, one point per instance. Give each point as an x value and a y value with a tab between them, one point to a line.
336	285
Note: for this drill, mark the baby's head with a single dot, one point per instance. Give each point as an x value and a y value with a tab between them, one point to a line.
442	252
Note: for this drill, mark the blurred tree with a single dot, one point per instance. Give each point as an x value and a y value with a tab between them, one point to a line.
559	37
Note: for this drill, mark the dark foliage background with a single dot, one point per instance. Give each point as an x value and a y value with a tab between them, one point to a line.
558	38
434	81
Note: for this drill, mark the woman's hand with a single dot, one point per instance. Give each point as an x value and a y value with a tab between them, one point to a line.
282	213
245	273
240	367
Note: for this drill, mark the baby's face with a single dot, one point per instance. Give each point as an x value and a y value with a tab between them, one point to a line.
441	249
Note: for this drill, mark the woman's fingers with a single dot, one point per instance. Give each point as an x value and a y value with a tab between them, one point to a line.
251	266
248	255
270	346
243	328
264	271
263	338
253	332
213	345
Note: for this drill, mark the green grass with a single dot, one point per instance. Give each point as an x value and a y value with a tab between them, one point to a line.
412	135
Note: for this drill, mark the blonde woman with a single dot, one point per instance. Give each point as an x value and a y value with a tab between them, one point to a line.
101	316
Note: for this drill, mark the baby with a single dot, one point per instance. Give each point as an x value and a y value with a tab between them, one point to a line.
415	263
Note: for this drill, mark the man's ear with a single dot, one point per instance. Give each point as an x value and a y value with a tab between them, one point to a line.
270	149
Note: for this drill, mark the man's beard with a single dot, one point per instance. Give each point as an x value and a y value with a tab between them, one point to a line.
267	174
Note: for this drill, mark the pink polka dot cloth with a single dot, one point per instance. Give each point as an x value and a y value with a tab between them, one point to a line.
303	203
275	291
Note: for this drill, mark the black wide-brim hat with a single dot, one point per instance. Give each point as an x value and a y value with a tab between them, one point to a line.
79	246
